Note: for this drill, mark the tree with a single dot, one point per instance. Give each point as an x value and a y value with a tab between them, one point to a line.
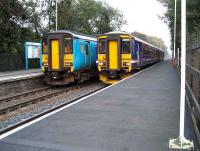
88	16
27	20
14	18
193	20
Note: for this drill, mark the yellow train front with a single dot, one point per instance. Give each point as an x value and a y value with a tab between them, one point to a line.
114	56
120	53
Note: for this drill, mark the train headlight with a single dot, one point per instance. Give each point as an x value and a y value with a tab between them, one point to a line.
68	64
102	63
126	63
45	63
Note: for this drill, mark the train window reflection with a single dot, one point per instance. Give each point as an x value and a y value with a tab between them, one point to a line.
68	45
102	46
44	46
126	46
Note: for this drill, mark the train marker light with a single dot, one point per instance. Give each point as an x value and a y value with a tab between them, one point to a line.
126	63
102	63
69	64
45	63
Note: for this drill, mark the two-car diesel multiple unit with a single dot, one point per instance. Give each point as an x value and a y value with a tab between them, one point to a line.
68	57
120	53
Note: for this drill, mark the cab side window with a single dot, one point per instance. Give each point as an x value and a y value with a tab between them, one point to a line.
44	46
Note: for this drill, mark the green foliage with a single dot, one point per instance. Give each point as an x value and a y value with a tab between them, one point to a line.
193	19
88	16
27	20
13	17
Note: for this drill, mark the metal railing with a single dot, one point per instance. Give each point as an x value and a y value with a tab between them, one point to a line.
194	69
193	85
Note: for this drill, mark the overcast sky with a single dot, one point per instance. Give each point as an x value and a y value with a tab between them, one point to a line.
142	16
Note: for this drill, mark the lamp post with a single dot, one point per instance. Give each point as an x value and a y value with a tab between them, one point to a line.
181	142
56	15
174	54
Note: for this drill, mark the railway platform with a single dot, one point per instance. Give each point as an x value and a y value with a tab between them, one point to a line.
20	74
140	113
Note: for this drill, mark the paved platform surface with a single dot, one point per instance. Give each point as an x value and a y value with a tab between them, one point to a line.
20	74
138	114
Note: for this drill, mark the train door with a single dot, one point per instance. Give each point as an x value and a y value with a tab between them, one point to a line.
113	54
138	53
55	54
87	55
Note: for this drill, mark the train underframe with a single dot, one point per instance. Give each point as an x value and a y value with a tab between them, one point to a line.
65	77
111	77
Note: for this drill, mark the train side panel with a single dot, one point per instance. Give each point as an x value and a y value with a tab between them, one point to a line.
84	54
93	54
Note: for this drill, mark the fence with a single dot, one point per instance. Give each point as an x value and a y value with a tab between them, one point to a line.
192	81
15	61
193	84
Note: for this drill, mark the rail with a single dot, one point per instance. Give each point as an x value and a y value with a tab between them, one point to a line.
19	95
194	69
193	103
58	106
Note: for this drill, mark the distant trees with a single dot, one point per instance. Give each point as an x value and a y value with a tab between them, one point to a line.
193	19
27	20
158	42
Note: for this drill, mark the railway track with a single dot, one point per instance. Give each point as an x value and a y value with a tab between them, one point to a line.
73	93
21	95
21	100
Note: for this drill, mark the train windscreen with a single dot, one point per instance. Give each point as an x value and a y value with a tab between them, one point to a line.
102	46
68	45
125	45
44	46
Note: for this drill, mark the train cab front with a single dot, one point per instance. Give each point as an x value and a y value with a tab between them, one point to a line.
114	57
57	58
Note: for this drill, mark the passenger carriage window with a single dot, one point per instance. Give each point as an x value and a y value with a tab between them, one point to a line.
86	49
102	46
126	46
44	46
68	45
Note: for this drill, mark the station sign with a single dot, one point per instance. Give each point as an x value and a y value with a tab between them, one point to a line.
32	51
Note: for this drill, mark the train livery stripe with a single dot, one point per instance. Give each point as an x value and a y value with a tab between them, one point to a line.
113	55
55	54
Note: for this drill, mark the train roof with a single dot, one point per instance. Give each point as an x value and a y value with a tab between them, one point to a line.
137	39
74	34
118	32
